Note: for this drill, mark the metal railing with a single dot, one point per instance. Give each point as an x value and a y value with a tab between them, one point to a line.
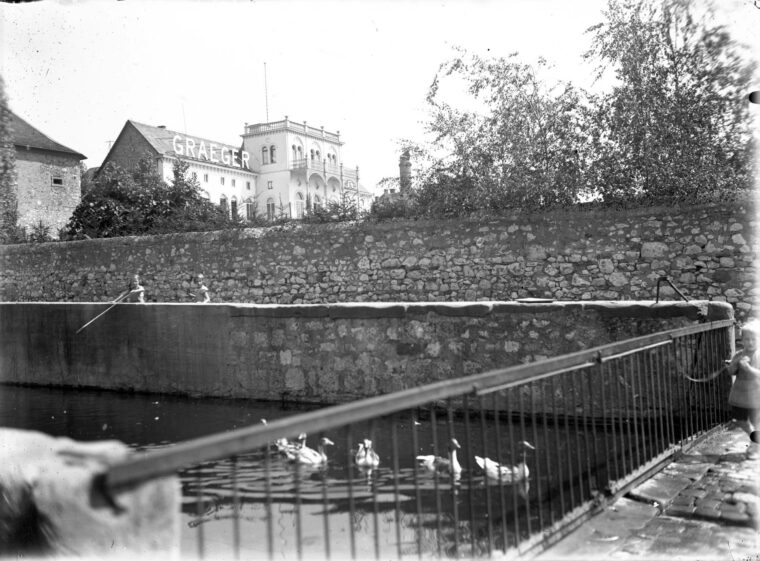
564	436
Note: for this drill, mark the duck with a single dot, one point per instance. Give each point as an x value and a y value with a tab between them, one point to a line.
366	457
437	464
309	456
506	474
289	448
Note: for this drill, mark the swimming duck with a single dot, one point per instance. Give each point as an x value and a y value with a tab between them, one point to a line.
290	448
506	474
366	456
437	464
308	456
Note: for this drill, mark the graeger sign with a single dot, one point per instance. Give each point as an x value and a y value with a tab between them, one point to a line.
185	146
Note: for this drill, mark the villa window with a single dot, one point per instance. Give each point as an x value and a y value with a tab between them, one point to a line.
270	185
223	203
272	155
222	180
233	182
205	178
250	212
56	181
248	185
270	209
233	208
265	155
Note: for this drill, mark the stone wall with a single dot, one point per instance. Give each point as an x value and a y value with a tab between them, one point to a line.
709	252
308	353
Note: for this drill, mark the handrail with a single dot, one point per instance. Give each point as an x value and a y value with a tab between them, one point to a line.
156	463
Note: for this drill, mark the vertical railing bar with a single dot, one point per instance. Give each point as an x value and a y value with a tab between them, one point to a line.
569	457
534	427
235	509
299	529
470	479
268	500
326	508
350	485
545	451
630	446
636	391
594	472
396	495
557	447
654	409
696	389
452	481
659	405
587	446
712	354
511	435
523	438
676	395
643	402
625	423
199	511
689	397
500	461
484	444
416	445
373	482
436	490
606	425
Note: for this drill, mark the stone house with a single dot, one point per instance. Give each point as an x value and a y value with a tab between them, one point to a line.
47	177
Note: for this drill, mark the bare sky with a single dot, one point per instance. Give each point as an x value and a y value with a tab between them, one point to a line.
78	71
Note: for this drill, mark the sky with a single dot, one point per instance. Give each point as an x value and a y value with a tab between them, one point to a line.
79	70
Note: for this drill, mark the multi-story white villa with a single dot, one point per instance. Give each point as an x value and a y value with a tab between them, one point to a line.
280	169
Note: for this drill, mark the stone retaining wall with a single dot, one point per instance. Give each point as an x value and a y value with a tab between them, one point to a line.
709	252
308	353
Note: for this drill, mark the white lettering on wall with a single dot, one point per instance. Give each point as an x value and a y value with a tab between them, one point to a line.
185	146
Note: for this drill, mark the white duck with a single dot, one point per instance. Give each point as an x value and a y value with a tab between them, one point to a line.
366	457
437	464
308	456
290	449
506	474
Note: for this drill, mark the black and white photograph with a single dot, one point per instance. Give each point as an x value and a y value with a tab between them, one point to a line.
383	279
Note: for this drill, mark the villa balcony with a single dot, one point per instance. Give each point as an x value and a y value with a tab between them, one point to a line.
308	166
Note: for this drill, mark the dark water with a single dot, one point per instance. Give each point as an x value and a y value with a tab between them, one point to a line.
384	511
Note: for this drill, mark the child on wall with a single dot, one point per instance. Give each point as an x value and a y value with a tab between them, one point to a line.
135	291
744	397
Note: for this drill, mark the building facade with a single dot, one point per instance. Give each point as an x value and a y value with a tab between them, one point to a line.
279	170
47	178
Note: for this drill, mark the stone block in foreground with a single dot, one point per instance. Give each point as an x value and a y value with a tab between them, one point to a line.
52	503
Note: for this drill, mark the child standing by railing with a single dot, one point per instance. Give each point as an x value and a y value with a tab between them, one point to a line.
745	391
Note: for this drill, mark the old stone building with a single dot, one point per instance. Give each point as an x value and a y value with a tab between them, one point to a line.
47	178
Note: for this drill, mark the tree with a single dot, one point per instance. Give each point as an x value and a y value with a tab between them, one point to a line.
675	127
522	145
122	203
9	231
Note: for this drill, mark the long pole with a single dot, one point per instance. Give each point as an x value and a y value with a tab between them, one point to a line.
119	299
266	91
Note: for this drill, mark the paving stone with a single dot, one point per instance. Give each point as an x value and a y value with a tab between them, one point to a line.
680	510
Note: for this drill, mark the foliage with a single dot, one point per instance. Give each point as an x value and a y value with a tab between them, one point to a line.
343	209
122	203
9	230
675	127
40	233
521	146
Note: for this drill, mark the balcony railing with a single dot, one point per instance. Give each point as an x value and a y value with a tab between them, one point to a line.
292	126
324	168
564	436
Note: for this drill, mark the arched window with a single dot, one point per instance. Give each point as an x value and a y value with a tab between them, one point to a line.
233	208
295	152
299	205
317	202
250	211
300	152
312	155
265	155
272	157
270	209
223	203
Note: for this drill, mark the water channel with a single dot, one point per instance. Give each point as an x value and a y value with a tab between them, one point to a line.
367	514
